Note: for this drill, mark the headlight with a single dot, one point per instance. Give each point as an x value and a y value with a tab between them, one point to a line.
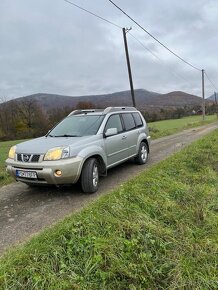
57	153
12	152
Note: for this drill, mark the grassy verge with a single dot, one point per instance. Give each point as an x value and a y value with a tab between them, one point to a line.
4	148
158	231
168	127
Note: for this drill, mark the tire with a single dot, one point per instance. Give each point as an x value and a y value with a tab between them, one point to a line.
90	176
142	156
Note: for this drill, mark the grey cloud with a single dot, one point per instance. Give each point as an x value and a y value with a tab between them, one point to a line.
51	46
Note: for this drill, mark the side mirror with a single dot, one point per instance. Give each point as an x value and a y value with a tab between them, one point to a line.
111	132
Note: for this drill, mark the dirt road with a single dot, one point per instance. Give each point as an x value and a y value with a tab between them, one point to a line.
25	211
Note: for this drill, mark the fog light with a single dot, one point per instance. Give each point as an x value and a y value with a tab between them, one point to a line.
58	173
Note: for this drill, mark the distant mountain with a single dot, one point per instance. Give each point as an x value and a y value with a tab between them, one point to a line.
144	99
175	99
51	101
212	98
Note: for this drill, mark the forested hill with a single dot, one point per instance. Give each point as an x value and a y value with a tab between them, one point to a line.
143	98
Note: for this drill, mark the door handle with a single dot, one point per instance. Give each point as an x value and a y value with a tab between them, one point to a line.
124	137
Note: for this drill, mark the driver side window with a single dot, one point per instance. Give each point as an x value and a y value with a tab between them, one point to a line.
114	122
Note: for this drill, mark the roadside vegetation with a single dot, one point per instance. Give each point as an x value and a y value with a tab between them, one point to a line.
167	127
4	148
158	231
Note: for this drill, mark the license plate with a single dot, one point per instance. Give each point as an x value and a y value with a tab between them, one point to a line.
26	174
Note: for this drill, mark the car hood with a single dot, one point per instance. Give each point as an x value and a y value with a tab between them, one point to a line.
43	144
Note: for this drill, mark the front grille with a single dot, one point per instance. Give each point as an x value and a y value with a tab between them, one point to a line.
19	157
28	157
35	158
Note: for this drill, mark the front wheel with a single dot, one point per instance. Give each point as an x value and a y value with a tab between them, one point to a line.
90	176
142	155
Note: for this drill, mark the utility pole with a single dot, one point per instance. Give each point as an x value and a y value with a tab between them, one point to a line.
216	104
203	95
128	66
215	98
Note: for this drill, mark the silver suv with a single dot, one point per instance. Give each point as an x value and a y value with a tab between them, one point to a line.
83	146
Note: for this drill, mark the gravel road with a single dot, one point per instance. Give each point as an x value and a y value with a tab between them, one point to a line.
25	211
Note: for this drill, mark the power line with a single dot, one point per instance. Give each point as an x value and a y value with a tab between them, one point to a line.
146	31
157	57
116	25
145	47
93	14
212	83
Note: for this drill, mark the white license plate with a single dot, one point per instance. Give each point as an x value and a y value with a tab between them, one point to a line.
26	174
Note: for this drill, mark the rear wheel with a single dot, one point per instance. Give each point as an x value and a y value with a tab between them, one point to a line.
142	155
90	176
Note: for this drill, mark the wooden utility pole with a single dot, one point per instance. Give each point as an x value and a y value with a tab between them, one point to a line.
128	66
203	95
215	98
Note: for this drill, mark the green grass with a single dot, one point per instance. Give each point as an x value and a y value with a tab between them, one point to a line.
168	127
158	231
4	148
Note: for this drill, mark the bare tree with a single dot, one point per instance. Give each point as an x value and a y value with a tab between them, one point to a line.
33	117
4	116
27	110
85	105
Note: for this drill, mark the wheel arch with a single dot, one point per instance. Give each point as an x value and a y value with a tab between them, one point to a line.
101	163
146	142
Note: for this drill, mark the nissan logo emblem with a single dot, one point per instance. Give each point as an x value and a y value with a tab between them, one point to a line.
26	157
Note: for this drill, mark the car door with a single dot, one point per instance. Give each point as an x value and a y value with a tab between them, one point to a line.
116	146
131	133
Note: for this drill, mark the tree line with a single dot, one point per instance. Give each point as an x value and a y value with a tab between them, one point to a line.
179	112
27	119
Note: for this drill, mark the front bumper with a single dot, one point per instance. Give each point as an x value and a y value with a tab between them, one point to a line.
71	169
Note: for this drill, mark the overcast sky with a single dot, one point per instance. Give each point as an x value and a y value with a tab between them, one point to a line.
50	46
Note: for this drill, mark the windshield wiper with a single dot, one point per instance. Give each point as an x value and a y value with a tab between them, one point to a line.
65	135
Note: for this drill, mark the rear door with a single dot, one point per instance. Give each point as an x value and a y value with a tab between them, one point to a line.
131	133
116	145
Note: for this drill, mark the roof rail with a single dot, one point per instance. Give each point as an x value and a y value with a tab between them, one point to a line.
115	109
76	112
105	111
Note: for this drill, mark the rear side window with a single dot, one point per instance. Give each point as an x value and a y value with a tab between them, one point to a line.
129	122
138	119
114	122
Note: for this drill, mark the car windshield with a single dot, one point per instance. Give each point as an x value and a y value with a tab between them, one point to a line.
77	126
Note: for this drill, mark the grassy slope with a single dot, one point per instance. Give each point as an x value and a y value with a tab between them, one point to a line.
168	127
4	148
158	231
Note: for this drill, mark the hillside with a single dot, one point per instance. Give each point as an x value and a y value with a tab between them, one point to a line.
212	98
144	99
